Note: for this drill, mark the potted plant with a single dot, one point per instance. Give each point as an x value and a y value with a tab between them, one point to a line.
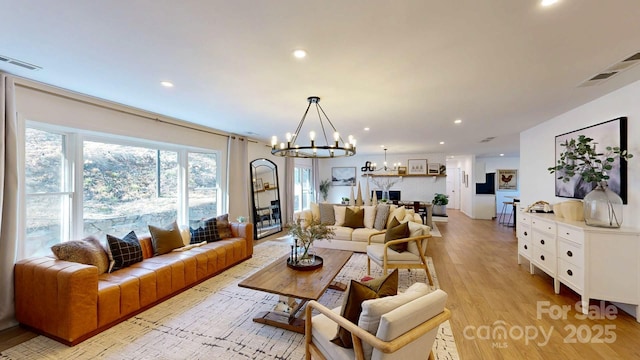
440	202
589	168
324	188
345	201
305	234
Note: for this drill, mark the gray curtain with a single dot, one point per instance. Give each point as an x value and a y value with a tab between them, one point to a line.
8	199
289	190
238	177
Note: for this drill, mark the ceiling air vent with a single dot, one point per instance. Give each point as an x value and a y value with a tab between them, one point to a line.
613	70
16	62
486	140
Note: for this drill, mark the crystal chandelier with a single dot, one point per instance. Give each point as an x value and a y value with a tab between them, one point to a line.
292	148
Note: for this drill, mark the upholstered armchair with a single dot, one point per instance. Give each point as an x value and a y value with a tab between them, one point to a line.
394	327
413	258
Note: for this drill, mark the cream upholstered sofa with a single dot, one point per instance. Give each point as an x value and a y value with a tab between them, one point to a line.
376	219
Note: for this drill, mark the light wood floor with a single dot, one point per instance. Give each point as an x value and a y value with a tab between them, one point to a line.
476	264
475	261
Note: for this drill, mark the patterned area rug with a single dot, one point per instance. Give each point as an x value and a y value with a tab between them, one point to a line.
213	320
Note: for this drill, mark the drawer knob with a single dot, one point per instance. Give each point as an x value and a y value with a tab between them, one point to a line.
542	257
525	233
569	253
568	234
525	247
542	241
569	272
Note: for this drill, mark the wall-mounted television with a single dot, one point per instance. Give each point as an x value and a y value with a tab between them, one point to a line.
394	195
489	186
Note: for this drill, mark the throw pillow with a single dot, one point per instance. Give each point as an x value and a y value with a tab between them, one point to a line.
369	216
315	211
87	251
327	215
397	213
340	212
223	226
354	218
356	294
208	232
382	214
165	239
125	251
397	231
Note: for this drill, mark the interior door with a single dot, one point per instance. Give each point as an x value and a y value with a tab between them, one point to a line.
266	210
453	188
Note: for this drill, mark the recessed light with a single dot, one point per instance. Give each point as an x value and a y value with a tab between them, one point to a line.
457	121
441	142
166	83
501	154
366	129
548	2
299	54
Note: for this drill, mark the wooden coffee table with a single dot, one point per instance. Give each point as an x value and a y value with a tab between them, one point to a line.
278	278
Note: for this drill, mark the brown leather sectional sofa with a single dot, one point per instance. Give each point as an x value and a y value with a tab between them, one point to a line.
70	302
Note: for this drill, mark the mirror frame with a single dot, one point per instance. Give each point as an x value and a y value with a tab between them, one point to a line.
257	188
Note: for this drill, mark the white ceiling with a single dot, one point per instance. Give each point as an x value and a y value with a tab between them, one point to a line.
406	69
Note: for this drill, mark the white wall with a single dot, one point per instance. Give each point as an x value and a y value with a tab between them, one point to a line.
413	188
537	147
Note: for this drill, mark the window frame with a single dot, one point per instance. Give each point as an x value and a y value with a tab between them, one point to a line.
73	218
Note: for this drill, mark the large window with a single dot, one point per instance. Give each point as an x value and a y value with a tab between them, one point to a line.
122	186
303	183
127	187
48	195
203	194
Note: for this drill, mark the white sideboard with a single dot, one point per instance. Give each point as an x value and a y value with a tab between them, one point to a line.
597	263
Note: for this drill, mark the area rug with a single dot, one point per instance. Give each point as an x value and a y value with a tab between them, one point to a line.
213	320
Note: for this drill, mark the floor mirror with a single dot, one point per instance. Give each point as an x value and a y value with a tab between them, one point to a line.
267	217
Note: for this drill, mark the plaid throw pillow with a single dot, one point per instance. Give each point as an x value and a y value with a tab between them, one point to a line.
125	251
208	232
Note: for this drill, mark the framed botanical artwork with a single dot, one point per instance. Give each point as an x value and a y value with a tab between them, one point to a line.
258	185
417	167
402	170
609	133
507	179
433	169
343	176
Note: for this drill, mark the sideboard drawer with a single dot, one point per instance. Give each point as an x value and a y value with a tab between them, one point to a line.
571	252
524	247
543	225
524	232
524	217
571	274
545	241
570	233
544	260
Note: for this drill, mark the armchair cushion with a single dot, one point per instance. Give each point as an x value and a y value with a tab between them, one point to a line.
372	310
407	317
376	253
355	295
397	231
